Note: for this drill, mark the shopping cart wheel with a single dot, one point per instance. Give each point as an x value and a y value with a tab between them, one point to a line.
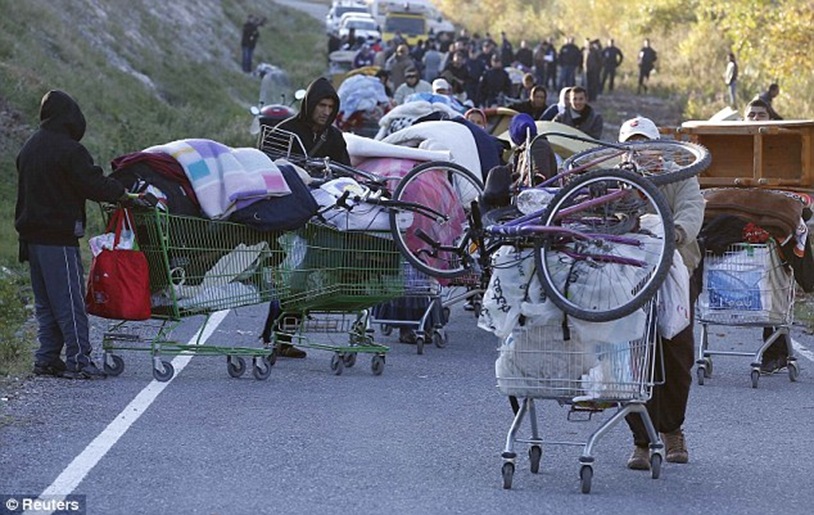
586	474
349	359
236	366
261	368
708	367
337	366
755	375
377	365
272	357
508	474
114	365
535	453
386	330
700	374
419	345
655	465
794	372
165	373
439	338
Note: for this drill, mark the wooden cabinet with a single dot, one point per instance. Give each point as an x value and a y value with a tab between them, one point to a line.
777	154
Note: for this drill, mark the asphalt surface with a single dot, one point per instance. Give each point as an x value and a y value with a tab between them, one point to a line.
424	437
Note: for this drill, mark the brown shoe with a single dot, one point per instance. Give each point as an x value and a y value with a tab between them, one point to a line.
676	447
285	350
640	459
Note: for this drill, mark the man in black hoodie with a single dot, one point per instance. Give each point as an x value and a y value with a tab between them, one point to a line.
56	176
314	126
314	123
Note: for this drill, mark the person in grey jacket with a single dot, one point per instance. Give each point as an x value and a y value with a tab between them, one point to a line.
668	405
580	115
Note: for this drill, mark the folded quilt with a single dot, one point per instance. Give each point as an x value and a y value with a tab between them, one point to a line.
225	178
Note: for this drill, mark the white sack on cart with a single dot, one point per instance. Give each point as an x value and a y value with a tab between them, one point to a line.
750	279
673	306
536	361
514	290
361	216
612	376
220	285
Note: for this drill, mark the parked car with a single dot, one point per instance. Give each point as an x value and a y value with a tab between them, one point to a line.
337	10
365	28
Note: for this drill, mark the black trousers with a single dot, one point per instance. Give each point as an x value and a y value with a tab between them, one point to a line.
668	405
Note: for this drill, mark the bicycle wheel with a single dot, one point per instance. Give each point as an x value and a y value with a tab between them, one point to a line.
436	240
661	161
589	270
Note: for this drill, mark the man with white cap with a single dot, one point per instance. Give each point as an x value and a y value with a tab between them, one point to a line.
441	87
668	405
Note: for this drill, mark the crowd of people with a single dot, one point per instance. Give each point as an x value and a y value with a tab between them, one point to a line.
476	65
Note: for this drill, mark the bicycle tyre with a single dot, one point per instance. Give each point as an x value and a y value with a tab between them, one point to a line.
411	233
616	289
689	159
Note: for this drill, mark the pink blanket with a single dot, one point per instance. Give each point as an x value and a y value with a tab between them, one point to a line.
432	190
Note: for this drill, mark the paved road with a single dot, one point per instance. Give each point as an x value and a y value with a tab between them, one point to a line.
424	437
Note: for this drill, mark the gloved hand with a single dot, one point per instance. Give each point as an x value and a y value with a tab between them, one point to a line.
145	200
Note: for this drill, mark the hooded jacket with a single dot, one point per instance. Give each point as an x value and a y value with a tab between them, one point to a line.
56	175
328	142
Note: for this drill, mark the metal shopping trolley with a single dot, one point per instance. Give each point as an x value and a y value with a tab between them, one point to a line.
553	362
327	283
748	285
199	266
420	309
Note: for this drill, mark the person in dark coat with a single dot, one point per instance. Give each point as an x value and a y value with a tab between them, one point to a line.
56	176
493	83
535	106
248	39
570	58
314	123
612	58
647	61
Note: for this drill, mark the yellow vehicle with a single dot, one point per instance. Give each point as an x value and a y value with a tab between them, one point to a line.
412	26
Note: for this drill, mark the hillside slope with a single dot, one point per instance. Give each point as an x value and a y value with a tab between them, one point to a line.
144	72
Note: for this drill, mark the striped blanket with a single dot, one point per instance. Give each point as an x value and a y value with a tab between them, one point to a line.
224	178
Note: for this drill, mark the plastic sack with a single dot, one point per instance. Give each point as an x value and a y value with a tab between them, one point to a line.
673	305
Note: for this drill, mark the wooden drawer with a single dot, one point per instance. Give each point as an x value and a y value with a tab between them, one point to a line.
756	154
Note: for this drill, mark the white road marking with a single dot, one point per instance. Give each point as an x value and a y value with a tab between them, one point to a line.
76	471
799	350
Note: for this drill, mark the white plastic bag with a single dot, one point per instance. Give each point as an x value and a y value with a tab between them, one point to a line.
127	239
673	307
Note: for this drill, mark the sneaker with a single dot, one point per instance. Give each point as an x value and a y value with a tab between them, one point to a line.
773	366
640	459
469	305
675	447
89	371
285	350
406	335
53	369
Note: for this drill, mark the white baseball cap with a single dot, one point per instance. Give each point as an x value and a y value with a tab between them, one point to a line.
439	84
639	125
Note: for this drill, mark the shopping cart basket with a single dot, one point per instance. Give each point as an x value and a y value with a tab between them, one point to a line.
199	266
749	286
550	362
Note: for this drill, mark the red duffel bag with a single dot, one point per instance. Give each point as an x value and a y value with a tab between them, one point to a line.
119	280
